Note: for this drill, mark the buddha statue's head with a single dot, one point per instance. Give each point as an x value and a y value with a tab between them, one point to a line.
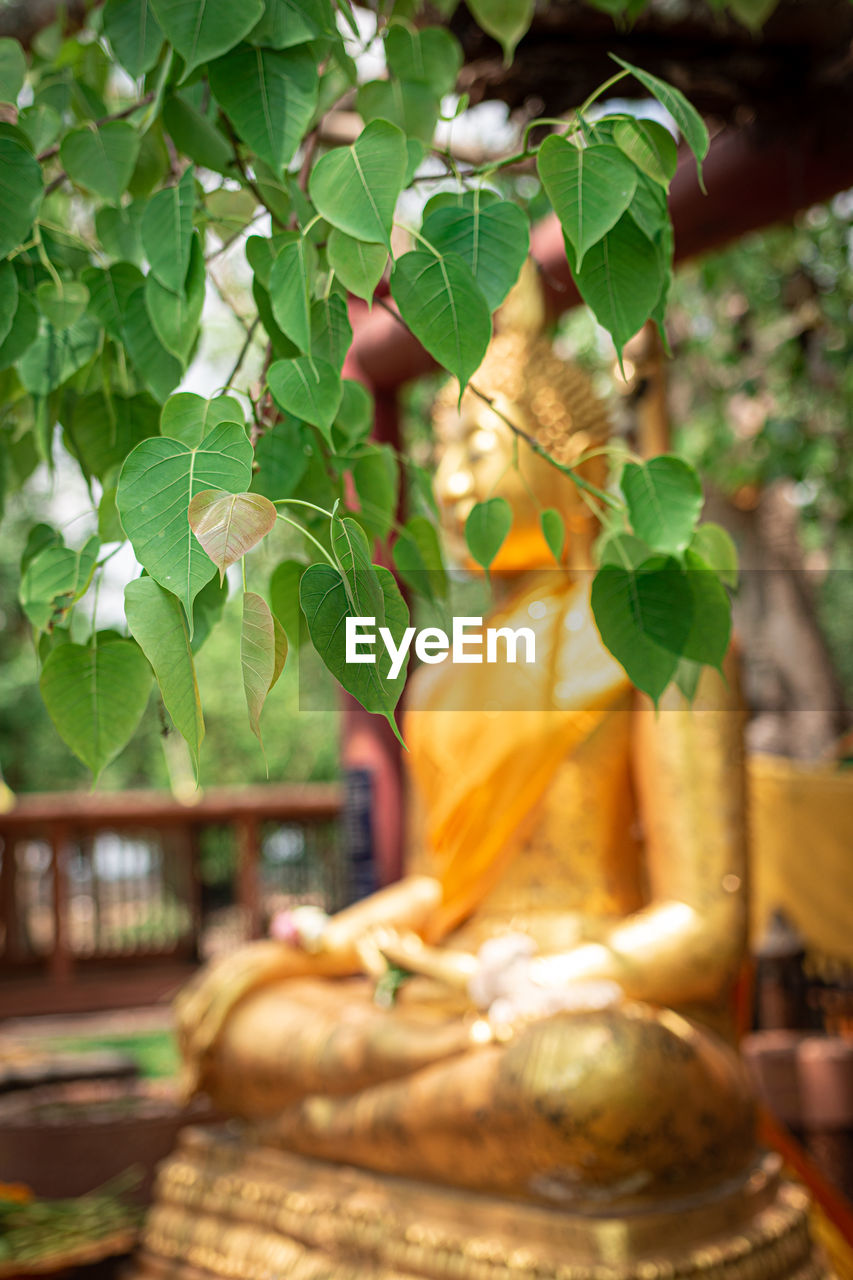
478	456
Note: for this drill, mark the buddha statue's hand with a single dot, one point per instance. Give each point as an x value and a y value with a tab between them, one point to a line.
383	946
511	988
504	979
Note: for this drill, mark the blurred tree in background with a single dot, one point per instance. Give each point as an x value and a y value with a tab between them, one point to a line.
760	393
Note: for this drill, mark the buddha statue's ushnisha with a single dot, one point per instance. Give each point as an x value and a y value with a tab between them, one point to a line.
580	890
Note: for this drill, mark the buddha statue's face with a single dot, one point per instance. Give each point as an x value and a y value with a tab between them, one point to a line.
479	457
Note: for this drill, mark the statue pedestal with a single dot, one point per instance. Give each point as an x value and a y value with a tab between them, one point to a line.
228	1208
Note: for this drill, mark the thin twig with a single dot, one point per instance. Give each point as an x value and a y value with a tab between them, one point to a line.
539	449
247	342
521	434
250	182
226	244
116	115
308	157
229	304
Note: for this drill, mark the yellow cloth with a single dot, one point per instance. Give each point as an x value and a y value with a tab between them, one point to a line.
486	740
801	826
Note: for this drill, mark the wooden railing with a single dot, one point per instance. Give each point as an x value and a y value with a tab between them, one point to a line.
104	899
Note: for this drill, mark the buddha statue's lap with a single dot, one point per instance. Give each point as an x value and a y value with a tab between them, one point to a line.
584	882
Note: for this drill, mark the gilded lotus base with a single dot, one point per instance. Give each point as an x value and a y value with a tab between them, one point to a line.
229	1209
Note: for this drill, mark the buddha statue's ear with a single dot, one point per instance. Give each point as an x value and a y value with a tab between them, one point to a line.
523	309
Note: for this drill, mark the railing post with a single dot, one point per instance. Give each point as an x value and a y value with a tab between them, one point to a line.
192	843
248	879
61	960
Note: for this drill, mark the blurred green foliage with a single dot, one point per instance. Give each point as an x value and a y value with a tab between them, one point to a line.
301	745
154	1052
762	383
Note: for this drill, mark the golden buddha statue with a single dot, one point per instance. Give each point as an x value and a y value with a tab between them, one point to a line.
574	924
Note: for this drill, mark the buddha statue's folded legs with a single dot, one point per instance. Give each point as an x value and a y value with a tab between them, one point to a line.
580	1107
626	1100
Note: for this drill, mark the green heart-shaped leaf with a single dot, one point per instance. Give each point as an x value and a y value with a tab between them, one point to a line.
357	265
685	116
644	616
589	187
354	420
62	304
506	20
13	69
417	557
8	298
486	528
326	606
207	610
41	124
134	33
101	159
22	333
281	458
188	417
284	598
493	238
291	282
157	483
413	108
710	631
714	544
109	293
167	232
441	303
356	188
175	316
159	625
554	532
289	22
269	96
664	497
376	477
21	191
119	231
352	555
622	549
53	580
95	695
429	56
309	389
650	146
198	138
203	29
621	280
103	430
159	369
40	537
331	331
57	354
